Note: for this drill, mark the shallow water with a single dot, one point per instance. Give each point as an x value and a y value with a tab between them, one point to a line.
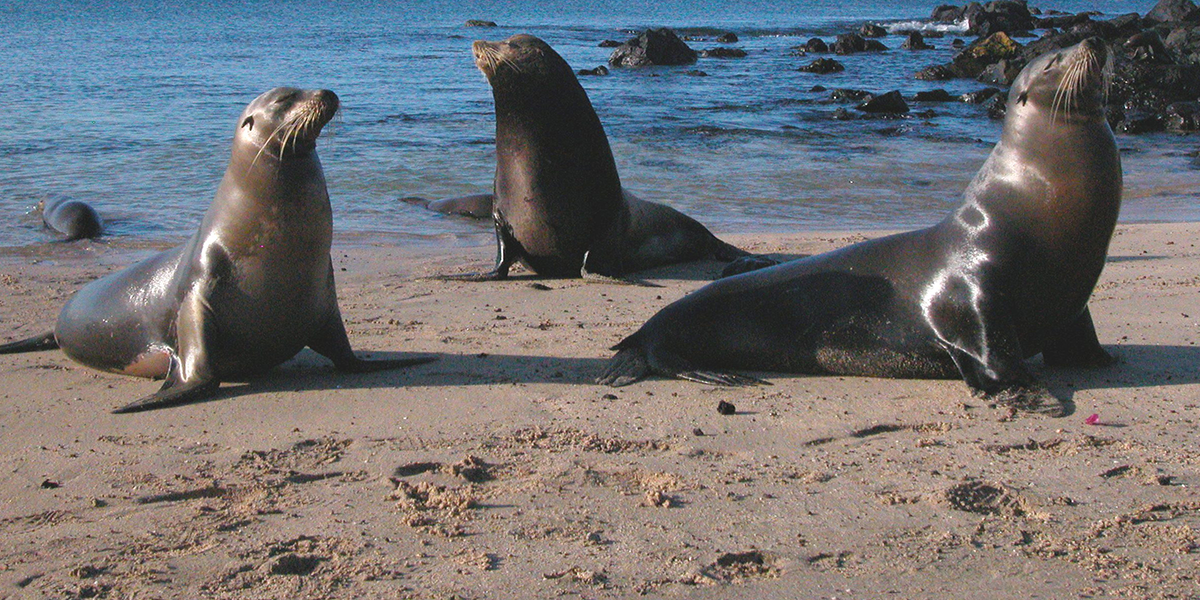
131	108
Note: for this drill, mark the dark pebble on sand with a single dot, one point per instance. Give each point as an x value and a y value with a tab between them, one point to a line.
50	485
726	408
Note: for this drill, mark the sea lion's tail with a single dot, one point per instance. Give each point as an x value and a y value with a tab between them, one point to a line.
38	343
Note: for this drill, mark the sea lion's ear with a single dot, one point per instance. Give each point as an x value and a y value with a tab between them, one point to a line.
248	122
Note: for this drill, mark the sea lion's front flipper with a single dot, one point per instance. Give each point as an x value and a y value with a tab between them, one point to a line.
174	392
508	252
190	376
333	343
979	335
1076	345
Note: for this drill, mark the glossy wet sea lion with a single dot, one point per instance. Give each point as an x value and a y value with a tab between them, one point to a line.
1006	276
558	204
75	219
250	289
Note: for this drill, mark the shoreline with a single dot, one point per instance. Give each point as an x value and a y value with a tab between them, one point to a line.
501	471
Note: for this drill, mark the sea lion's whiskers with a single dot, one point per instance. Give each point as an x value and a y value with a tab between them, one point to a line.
263	148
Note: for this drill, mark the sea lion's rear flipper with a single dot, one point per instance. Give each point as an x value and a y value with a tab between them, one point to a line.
632	363
478	206
333	343
591	277
748	263
629	365
45	341
720	378
1076	345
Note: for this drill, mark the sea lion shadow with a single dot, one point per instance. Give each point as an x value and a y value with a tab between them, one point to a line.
309	371
1121	259
697	270
1136	365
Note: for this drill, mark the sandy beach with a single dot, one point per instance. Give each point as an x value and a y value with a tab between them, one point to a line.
501	471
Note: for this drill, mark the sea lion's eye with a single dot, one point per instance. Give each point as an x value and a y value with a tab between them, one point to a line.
248	122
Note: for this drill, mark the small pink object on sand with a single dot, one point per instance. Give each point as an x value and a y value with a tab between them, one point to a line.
1092	420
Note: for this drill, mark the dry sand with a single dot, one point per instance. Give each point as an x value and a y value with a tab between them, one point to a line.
502	471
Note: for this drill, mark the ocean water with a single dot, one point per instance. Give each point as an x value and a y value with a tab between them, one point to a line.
130	106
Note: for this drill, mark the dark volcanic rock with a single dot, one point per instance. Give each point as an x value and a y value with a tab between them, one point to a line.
1152	87
814	46
935	73
600	70
1051	42
979	96
1062	21
1127	24
915	41
610	44
847	95
842	114
1184	43
1001	73
871	30
1140	122
653	47
850	43
983	52
728	37
947	13
1183	116
997	107
479	23
1001	15
891	102
823	66
723	53
1173	11
938	95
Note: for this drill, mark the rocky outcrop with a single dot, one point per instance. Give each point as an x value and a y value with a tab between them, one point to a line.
653	47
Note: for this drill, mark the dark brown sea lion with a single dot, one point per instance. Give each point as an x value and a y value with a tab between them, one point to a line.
1006	276
250	289
559	207
75	219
